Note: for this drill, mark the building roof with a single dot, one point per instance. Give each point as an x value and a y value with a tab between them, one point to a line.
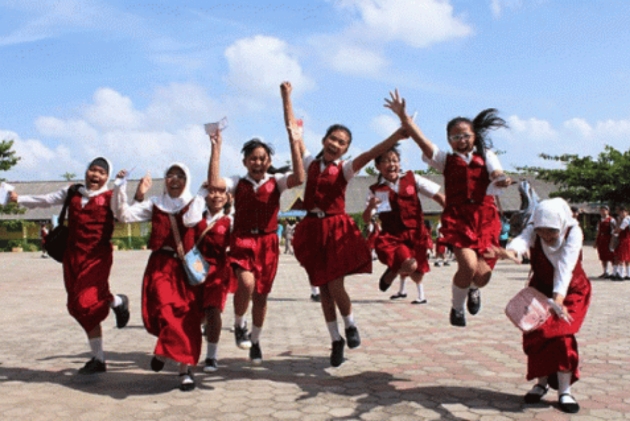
355	195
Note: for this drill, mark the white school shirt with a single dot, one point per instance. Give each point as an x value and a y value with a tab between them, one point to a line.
142	211
624	223
281	181
424	186
438	160
58	197
348	171
563	260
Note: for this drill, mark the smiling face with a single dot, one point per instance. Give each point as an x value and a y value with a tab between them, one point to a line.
175	182
548	235
461	137
389	166
216	200
95	177
257	163
335	145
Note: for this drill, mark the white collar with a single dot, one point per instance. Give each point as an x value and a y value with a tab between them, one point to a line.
266	177
91	193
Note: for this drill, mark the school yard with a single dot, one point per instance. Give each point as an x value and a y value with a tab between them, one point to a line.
412	364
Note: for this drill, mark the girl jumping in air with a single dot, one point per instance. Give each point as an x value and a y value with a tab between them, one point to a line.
470	221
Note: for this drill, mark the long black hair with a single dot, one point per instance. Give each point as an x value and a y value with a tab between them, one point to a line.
251	145
379	158
484	122
332	129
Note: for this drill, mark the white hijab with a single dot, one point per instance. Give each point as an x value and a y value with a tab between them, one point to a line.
556	214
91	193
169	204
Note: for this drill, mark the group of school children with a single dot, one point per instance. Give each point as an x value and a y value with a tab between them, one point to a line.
613	244
243	251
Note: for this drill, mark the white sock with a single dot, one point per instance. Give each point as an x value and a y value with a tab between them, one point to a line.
96	345
420	292
348	320
183	368
564	382
117	301
239	321
314	290
211	352
402	285
459	297
255	335
333	329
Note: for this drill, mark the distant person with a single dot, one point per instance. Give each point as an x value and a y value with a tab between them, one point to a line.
604	234
622	252
43	233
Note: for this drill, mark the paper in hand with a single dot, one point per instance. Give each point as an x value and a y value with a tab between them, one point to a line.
120	181
5	189
493	189
219	126
384	206
297	129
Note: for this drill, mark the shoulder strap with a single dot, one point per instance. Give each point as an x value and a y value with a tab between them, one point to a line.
71	192
178	239
208	228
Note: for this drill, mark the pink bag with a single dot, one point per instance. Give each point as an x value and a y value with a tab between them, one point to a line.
528	309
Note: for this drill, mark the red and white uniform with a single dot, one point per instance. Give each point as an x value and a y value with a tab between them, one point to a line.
254	245
470	218
213	247
403	232
172	309
556	269
327	242
88	258
622	252
604	234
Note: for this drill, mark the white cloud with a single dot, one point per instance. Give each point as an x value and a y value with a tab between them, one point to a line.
259	64
417	23
498	6
350	57
540	130
580	126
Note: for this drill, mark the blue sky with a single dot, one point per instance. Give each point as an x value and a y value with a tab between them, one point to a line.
136	81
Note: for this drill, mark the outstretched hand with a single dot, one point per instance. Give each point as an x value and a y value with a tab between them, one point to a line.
216	138
495	252
121	174
286	88
397	104
144	185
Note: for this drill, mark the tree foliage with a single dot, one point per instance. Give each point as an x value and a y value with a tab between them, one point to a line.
603	179
8	159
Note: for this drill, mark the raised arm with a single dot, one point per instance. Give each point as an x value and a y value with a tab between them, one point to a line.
363	159
295	137
140	210
397	104
214	179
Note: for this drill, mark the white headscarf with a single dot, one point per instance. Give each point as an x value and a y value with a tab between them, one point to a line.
169	204
556	214
91	193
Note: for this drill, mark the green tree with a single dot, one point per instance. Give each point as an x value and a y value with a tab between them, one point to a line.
603	179
68	176
8	159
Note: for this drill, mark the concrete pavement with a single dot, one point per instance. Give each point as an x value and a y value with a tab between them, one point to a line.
412	364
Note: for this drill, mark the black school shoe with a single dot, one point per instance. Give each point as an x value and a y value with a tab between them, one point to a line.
458	318
93	366
122	312
474	301
568	404
386	280
353	338
210	365
255	354
187	381
336	356
536	393
156	364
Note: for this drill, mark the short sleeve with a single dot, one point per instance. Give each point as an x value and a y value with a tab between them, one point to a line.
426	187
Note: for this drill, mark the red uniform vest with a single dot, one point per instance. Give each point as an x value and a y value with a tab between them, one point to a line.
604	230
466	183
256	211
213	246
326	189
406	210
92	225
162	234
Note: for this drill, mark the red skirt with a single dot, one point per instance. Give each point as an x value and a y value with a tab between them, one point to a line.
330	248
393	250
216	286
171	309
553	347
622	252
86	278
258	254
603	248
473	226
